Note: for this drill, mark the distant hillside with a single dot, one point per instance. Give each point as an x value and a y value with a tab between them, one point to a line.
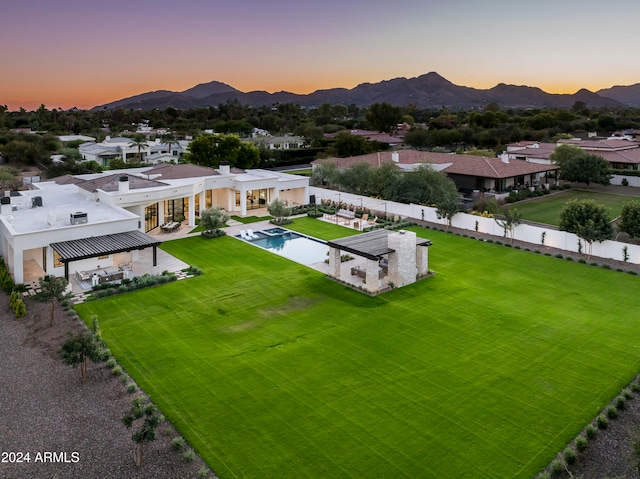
629	95
426	91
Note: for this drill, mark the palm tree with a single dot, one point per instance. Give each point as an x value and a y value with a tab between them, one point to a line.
140	142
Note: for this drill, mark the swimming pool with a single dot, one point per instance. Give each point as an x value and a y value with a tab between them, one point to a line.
291	245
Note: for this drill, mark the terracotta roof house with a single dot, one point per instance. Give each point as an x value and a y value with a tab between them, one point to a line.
622	154
468	172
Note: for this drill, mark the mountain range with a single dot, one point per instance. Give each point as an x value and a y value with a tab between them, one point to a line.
426	91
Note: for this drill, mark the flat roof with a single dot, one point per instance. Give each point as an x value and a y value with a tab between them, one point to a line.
95	246
372	245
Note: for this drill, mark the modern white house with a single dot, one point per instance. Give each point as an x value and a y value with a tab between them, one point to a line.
74	223
122	148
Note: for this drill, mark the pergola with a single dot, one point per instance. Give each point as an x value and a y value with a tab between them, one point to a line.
406	256
79	249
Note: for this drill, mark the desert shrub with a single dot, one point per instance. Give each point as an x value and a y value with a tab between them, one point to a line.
632	272
556	466
111	363
559	256
582	261
635	387
593	263
590	431
132	388
117	371
208	234
537	251
543	475
570	455
105	354
178	443
606	266
581	443
203	472
612	412
189	455
621	403
569	258
489	241
627	394
602	421
498	242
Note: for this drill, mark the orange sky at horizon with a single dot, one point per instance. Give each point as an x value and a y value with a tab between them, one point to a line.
88	97
85	54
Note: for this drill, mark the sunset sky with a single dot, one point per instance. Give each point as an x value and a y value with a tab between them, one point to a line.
84	53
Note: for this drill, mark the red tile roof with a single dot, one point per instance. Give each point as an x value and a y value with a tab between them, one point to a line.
466	165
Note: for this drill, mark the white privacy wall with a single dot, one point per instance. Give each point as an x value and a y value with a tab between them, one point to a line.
524	232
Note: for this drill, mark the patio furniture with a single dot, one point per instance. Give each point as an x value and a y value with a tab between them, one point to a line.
243	235
82	276
251	234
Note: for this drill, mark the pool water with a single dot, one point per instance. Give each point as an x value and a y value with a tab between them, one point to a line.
293	246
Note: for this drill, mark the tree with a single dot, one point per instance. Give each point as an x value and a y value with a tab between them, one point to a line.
77	349
424	185
212	219
587	220
279	210
210	150
138	142
630	219
346	145
383	117
52	290
146	432
576	165
447	206
512	218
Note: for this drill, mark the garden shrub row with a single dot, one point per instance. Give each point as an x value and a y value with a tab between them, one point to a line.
139	282
573	451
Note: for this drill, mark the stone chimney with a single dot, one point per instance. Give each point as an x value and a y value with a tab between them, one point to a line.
224	168
504	158
402	262
123	184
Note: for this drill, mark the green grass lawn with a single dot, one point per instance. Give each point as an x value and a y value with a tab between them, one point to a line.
486	369
547	209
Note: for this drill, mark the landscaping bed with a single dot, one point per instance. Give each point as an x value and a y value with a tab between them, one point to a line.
46	408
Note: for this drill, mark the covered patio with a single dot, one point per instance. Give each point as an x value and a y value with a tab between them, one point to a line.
386	259
117	252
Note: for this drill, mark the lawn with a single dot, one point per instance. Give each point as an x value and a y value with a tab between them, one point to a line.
486	369
547	209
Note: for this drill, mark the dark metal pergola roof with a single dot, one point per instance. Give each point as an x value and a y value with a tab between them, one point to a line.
74	250
372	245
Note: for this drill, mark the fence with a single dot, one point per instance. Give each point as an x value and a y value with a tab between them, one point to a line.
524	232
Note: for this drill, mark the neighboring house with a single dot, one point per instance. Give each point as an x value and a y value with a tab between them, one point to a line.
128	204
287	142
622	154
532	151
469	173
393	141
123	149
68	138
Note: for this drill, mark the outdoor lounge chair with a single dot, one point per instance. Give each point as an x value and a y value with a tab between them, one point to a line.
243	235
251	234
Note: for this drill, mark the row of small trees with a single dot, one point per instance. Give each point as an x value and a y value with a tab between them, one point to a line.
77	350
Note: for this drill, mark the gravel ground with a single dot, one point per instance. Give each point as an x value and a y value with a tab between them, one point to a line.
45	408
